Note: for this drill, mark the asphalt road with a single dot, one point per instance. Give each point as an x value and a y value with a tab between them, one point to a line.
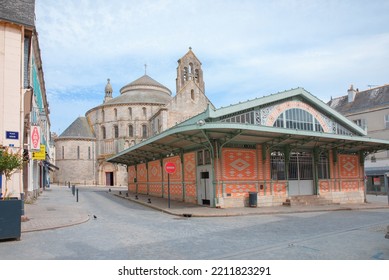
125	230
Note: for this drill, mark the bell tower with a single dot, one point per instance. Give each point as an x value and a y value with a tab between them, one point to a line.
108	91
189	74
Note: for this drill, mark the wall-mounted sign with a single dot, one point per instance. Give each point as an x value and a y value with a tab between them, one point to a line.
12	135
41	155
35	137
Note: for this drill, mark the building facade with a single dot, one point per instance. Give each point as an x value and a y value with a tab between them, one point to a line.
369	109
144	108
276	150
24	107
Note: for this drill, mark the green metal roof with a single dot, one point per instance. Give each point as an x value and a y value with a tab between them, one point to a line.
199	131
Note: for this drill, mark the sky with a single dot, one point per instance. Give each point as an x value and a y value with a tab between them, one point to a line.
248	48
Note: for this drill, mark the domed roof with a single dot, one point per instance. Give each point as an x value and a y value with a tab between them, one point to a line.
143	90
145	82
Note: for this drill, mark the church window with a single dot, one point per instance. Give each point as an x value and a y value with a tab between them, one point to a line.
63	152
197	75
144	131
185	73
116	131
78	152
130	131
130	112
89	155
144	112
116	113
103	132
192	95
103	115
191	68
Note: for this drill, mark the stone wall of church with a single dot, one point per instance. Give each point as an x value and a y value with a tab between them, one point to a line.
76	162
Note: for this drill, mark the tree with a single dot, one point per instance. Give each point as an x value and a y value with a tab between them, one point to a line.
10	162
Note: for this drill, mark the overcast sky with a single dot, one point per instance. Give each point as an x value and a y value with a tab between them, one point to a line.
248	48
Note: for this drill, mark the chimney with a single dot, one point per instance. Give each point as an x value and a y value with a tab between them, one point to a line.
351	94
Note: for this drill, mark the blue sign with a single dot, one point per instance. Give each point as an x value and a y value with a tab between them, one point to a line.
12	135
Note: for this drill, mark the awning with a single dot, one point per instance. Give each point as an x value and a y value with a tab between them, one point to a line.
50	166
218	134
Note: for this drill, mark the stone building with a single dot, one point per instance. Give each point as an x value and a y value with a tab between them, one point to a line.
369	109
144	108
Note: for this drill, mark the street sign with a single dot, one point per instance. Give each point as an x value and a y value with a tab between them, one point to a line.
12	135
170	167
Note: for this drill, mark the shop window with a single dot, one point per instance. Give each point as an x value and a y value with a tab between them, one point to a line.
323	167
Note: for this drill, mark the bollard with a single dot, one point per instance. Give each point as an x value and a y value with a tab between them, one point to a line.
77	195
73	190
69	185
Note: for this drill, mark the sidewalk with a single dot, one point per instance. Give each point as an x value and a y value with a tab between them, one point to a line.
56	207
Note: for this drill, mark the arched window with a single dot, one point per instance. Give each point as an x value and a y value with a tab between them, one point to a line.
63	152
197	75
185	73
103	132
130	112
116	131
78	152
89	154
115	111
103	115
144	112
130	131
191	68
299	119
144	131
192	95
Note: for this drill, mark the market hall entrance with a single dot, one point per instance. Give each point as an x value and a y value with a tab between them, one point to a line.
300	173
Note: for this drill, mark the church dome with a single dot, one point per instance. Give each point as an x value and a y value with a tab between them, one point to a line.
143	90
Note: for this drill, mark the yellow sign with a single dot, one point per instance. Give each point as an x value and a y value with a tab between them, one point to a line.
41	155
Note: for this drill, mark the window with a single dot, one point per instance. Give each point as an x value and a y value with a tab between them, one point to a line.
197	75
130	112
115	111
89	154
103	132
323	166
63	152
78	152
144	131
298	119
200	158
103	115
144	112
277	162
116	131
185	73
130	131
192	95
361	123
386	121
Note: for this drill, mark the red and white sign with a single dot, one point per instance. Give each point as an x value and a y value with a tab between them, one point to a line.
170	167
35	138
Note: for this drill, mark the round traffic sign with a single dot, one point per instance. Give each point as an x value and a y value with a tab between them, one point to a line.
170	167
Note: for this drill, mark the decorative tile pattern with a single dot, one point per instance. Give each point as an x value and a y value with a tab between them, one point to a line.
350	186
239	164
155	171
190	176
279	188
240	190
142	173
176	176
324	186
349	165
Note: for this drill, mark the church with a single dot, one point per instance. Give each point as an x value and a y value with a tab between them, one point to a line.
143	109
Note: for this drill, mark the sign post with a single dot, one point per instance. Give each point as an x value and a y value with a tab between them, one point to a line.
170	168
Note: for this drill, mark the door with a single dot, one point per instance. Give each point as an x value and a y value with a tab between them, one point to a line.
109	178
204	186
300	174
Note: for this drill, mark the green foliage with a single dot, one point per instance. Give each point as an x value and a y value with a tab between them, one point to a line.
10	162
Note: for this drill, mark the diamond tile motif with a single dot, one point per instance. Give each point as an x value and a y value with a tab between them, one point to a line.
240	164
